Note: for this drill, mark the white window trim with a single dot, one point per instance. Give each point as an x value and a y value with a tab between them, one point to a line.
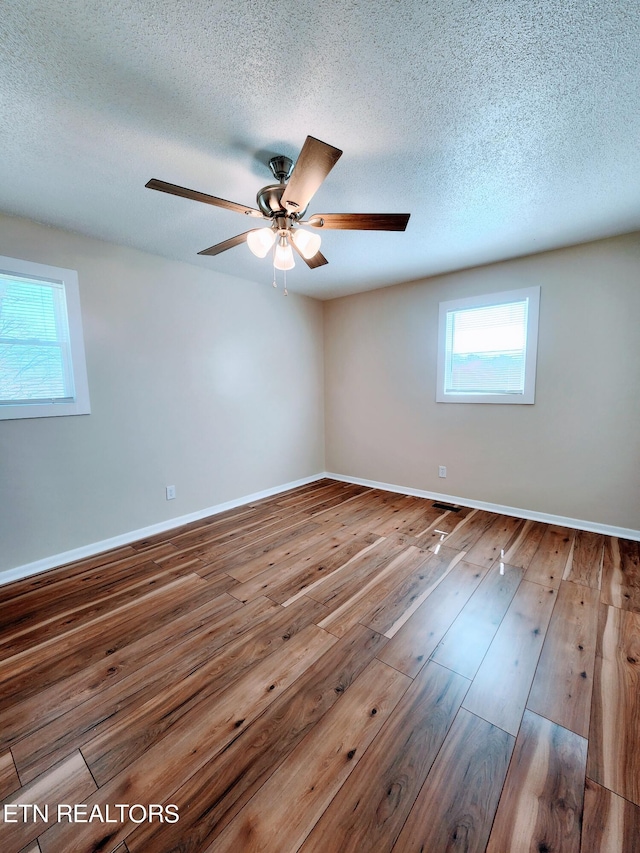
81	404
485	300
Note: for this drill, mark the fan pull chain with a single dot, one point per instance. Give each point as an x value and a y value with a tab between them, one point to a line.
284	275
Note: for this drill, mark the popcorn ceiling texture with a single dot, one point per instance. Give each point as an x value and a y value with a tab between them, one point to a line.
504	128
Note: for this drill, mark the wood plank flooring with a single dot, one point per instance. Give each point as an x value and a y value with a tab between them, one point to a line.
331	669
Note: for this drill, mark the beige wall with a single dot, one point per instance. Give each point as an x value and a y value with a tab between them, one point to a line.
575	453
201	380
216	385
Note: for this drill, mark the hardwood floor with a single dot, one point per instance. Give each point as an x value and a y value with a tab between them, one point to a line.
331	669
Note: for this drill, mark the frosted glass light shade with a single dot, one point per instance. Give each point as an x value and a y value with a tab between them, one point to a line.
307	243
283	259
261	241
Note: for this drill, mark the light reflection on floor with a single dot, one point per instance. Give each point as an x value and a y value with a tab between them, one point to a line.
436	548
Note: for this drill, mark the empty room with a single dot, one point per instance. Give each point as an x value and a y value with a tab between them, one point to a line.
319	427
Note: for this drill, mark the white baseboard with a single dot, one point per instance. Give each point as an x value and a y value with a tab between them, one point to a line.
576	523
133	535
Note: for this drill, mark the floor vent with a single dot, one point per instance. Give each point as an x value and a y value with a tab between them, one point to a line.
451	507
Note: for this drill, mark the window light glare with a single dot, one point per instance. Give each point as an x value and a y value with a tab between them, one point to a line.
486	349
260	241
308	244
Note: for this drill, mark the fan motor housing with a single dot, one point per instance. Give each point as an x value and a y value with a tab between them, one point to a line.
268	200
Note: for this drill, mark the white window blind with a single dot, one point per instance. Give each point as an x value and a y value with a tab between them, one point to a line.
42	364
486	349
35	357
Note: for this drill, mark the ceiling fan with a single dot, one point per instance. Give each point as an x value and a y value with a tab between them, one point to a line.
283	206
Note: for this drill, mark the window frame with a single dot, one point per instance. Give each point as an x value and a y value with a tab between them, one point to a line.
531	354
80	405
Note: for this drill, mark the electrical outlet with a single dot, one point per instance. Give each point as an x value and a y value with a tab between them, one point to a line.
442	470
171	492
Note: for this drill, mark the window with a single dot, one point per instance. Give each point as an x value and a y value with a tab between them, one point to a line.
42	366
487	348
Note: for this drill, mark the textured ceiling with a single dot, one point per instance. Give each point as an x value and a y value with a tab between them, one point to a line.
504	128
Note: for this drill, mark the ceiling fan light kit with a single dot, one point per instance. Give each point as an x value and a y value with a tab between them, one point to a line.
284	205
260	241
283	257
307	243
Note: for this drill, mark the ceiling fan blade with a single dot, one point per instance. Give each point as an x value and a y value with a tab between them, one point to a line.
227	244
318	260
360	221
183	192
314	163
